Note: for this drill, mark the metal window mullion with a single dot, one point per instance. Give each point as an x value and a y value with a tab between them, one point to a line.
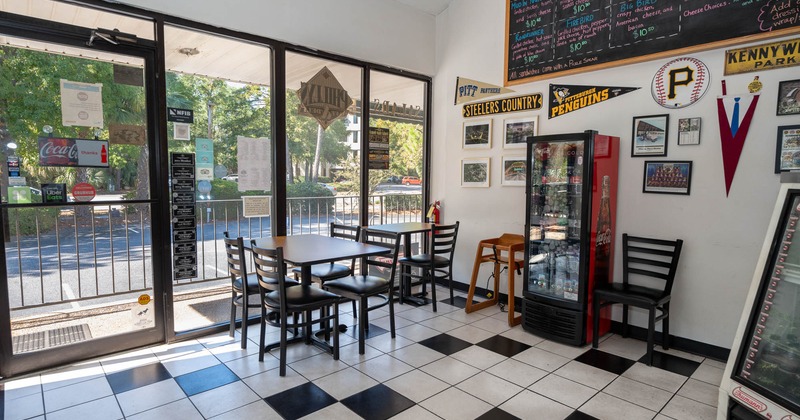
144	256
58	255
39	250
94	251
128	249
19	260
77	250
202	245
214	225
111	246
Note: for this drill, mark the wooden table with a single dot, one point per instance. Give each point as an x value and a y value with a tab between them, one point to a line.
407	229
307	250
501	251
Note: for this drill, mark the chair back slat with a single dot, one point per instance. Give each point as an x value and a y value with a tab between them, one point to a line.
234	252
269	264
352	233
443	239
652	258
379	264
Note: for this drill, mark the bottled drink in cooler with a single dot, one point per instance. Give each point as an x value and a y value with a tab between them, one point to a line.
603	242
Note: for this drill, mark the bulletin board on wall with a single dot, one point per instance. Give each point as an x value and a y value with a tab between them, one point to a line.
545	38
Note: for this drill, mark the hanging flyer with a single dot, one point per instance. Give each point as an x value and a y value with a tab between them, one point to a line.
81	104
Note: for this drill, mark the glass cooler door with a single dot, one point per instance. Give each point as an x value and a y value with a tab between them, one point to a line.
769	359
555	219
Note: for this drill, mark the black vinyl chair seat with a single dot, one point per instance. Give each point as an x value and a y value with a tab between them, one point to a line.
326	271
298	297
425	259
252	283
648	261
359	284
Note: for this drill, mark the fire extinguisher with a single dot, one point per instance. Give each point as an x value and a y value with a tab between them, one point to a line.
435	213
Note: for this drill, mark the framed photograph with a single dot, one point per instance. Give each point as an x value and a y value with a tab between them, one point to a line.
667	177
515	171
789	97
517	130
475	172
688	131
650	135
478	134
787	154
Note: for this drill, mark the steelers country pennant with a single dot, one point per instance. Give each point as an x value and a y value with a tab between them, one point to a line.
567	98
470	90
735	114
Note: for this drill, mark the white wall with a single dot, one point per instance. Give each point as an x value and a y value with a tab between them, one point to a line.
378	31
723	235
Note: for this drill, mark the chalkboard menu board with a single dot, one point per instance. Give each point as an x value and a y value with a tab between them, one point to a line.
551	36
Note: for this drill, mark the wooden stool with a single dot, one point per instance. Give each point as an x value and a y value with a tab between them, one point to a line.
502	251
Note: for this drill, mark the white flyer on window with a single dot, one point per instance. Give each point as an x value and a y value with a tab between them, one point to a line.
255	163
81	104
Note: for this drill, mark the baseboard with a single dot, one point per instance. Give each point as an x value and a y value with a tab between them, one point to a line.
639	333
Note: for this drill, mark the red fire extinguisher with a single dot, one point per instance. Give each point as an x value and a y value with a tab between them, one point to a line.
435	213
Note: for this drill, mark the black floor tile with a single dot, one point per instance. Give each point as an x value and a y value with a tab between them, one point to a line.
379	402
674	364
606	361
127	380
204	379
300	401
458	301
373	331
445	344
577	415
497	414
503	345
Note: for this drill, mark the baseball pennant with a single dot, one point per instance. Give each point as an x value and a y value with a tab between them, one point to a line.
567	98
470	90
735	114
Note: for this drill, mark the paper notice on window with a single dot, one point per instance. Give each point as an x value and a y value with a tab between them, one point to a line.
255	163
81	104
255	205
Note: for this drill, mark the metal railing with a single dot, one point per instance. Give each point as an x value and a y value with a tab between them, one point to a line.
64	254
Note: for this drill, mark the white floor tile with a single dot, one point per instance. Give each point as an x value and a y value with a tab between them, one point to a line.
181	409
489	388
345	383
269	383
688	356
638	393
385	323
416	413
516	372
700	391
383	368
464	317
478	357
604	406
680	408
233	351
219	400
257	410
21	387
318	366
417	355
624	347
101	409
23	407
541	359
82	392
569	393
417	385
386	343
416	314
450	370
709	374
442	323
666	380
128	360
417	332
527	404
518	334
349	353
586	375
150	396
191	362
70	375
471	334
336	411
715	363
455	404
493	325
563	349
249	366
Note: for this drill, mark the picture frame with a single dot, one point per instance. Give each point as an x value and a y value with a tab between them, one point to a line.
517	130
514	171
788	101
477	134
667	177
650	134
787	150
475	172
689	131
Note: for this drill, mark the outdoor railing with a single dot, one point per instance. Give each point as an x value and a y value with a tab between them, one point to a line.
69	253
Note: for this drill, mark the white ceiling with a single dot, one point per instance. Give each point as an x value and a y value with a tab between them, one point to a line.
431	7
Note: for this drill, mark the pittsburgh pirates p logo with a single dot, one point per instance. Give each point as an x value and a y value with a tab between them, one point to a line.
680	83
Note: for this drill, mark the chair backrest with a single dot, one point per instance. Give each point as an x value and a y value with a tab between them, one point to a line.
352	233
270	268
650	258
234	250
443	240
381	263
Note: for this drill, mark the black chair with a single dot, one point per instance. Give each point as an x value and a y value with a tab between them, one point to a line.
240	289
436	264
291	300
651	262
329	271
376	279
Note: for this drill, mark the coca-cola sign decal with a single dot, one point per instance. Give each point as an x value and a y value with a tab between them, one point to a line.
55	151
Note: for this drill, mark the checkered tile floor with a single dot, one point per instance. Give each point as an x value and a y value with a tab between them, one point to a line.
448	364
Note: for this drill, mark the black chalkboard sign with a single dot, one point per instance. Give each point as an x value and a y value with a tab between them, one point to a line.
544	37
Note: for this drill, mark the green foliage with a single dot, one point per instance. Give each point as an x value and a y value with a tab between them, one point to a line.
311	198
401	202
25	219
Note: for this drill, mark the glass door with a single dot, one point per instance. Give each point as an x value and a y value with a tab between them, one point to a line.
81	207
555	218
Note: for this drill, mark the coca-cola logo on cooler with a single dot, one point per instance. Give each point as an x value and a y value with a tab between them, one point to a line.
58	152
604	237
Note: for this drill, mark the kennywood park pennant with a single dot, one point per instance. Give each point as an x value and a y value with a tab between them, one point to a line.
567	98
323	98
735	114
470	90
